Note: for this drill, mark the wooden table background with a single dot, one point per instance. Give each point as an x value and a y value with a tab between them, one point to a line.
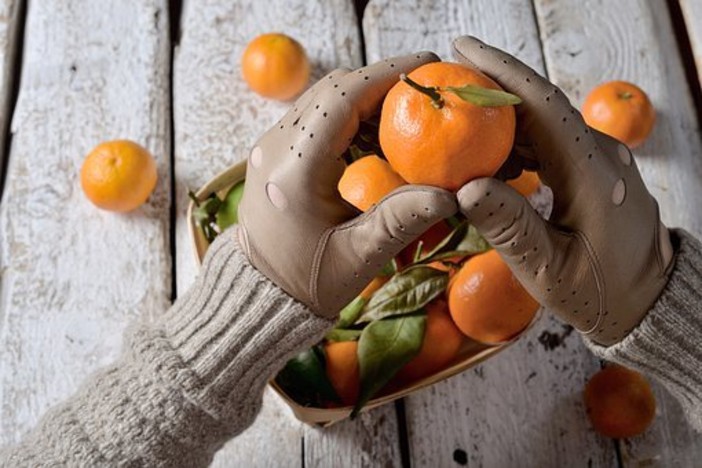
166	74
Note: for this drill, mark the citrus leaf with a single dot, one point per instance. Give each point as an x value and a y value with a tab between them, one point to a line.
338	334
406	292
384	347
228	212
448	243
389	268
207	209
484	97
473	243
305	380
465	240
350	313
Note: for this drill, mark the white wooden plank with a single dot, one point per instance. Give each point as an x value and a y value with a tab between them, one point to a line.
523	407
692	13
9	31
74	276
588	42
217	120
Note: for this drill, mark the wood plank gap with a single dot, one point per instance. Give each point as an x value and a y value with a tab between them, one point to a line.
302	451
175	9
402	434
360	8
9	110
682	38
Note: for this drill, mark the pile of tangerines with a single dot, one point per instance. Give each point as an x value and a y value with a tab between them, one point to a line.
446	289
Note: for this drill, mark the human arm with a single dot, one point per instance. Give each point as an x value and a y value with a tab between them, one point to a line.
185	383
603	262
193	379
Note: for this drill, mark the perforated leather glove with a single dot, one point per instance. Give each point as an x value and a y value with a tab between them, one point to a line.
295	228
603	258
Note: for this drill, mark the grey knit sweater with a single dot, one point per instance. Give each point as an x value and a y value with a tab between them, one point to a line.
187	383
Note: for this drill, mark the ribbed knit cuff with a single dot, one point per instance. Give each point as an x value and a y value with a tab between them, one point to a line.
667	344
235	329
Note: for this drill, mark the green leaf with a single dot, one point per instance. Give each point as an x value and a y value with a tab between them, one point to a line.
448	243
338	334
305	380
389	268
207	209
465	240
473	243
204	214
484	97
406	292
384	347
228	212
350	313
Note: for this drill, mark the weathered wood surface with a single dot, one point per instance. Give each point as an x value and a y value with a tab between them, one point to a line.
73	276
633	40
523	407
692	13
9	32
217	121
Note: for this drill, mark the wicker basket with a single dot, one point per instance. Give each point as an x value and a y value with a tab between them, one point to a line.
471	353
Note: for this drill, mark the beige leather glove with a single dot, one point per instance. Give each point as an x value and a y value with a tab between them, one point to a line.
296	228
603	258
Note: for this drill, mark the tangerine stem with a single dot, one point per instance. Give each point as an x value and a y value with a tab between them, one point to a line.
436	100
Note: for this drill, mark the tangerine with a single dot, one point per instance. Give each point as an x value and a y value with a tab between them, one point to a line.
527	183
343	370
619	402
487	302
367	180
446	142
621	110
118	175
275	66
442	341
375	284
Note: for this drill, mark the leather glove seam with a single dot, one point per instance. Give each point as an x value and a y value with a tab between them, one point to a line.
594	264
316	267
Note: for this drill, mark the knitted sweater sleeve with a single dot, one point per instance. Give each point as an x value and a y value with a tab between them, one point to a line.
184	384
667	344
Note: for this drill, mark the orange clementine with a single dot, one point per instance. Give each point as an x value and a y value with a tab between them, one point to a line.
621	110
487	302
448	146
375	284
367	180
275	66
342	369
442	341
527	183
619	402
118	175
